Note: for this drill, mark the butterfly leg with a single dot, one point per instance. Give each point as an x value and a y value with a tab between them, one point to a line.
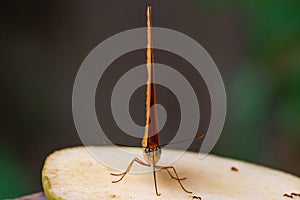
173	177
128	169
176	176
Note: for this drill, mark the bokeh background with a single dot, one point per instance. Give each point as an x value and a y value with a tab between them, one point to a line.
255	44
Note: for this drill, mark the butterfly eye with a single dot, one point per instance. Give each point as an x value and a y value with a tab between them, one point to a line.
147	150
158	149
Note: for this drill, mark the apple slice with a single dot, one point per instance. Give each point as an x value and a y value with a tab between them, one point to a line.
73	173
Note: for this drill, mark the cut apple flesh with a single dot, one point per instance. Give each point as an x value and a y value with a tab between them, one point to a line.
74	173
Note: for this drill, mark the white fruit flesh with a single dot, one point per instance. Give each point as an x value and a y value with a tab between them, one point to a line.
73	173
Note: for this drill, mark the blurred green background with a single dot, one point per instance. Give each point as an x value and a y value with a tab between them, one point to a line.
255	44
